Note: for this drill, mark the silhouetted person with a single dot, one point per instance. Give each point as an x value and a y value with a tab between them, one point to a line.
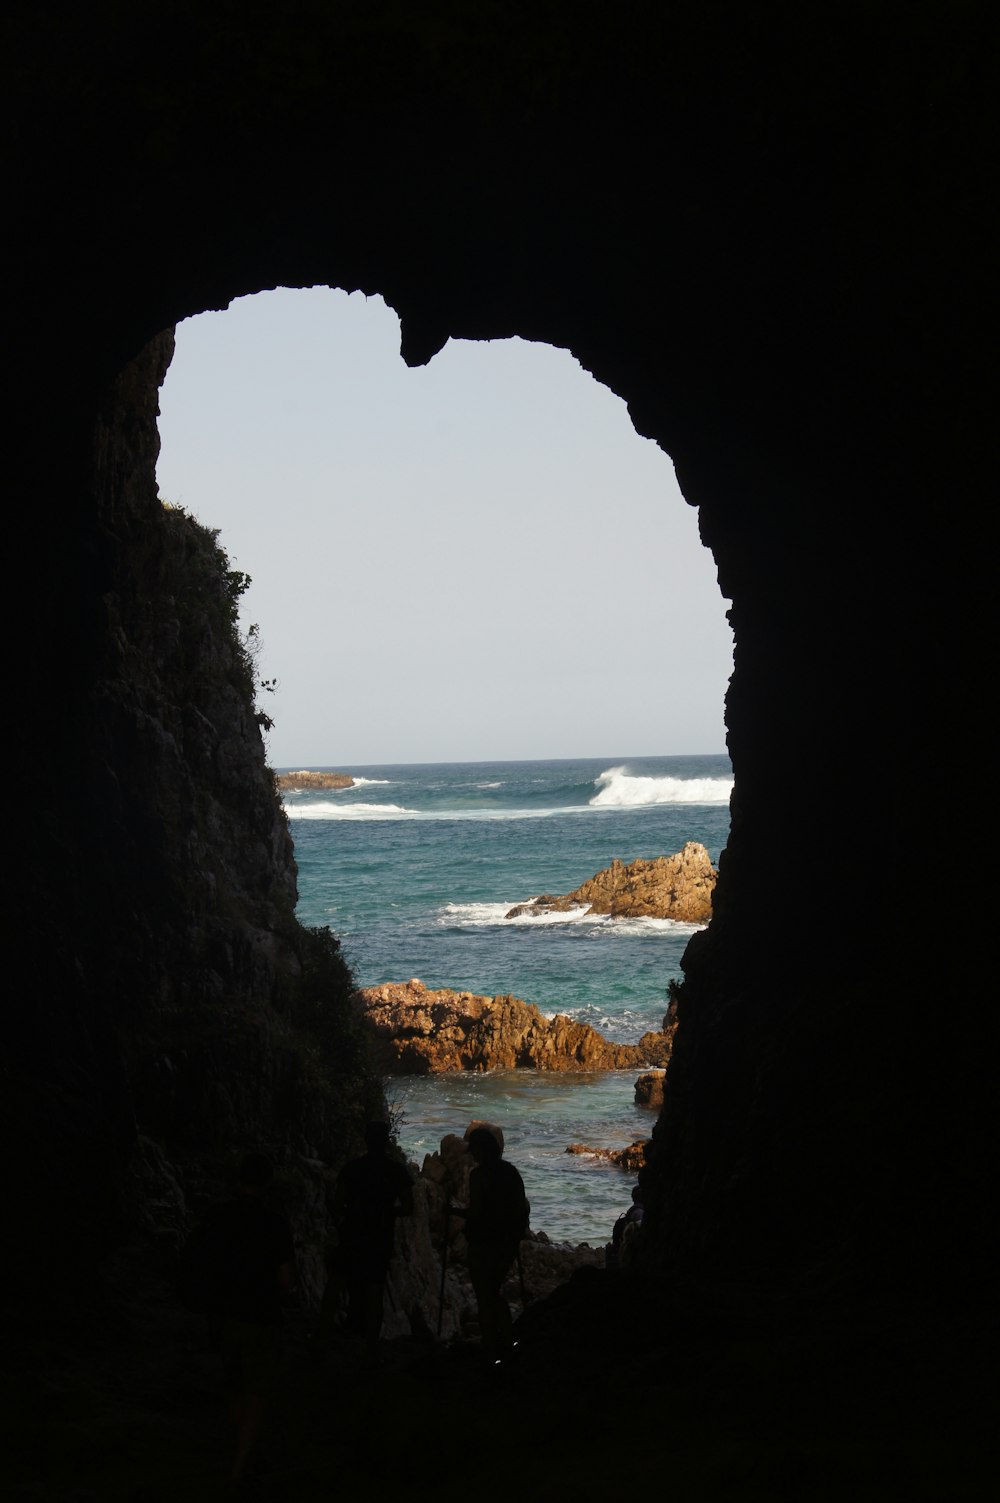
370	1193
623	1231
495	1221
244	1262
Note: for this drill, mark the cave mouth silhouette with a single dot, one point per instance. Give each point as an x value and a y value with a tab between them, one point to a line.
773	234
772	230
310	362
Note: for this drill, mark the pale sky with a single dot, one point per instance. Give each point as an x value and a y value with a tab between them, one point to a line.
476	560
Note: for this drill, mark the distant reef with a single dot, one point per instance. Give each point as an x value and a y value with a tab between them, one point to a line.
289	782
415	1031
673	887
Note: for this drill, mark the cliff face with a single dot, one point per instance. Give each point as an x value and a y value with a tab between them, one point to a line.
183	1015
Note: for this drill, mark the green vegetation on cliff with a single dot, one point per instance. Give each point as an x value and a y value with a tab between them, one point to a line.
259	1020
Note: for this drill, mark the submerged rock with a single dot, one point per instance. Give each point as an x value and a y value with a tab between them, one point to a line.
676	887
632	1158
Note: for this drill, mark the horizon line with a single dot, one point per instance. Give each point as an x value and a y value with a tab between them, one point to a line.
488	761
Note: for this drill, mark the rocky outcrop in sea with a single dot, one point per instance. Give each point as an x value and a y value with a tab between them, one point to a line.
415	1031
676	887
631	1158
649	1087
295	782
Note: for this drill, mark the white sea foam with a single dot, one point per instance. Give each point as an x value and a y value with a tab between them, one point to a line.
492	915
620	789
399	811
624	928
349	811
367	782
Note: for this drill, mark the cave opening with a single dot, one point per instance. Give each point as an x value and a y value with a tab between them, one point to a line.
466	579
770	229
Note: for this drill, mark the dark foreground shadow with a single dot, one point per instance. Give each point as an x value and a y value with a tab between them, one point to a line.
722	1408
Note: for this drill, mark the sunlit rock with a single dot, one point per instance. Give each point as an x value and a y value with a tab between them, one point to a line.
294	782
676	887
421	1032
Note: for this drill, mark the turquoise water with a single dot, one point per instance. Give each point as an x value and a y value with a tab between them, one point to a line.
414	869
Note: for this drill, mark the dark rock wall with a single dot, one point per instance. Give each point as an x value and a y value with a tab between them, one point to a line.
771	230
174	1014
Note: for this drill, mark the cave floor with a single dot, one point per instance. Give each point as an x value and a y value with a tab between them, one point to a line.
597	1397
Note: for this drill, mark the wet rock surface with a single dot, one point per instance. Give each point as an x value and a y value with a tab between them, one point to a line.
631	1158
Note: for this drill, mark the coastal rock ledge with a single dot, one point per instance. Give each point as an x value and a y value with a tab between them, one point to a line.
676	887
421	1032
290	782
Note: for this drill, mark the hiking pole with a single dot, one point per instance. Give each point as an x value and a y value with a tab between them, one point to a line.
444	1265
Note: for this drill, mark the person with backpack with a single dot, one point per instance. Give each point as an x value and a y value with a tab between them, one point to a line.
496	1219
370	1193
618	1250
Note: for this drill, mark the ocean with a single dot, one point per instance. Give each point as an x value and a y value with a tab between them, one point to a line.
414	869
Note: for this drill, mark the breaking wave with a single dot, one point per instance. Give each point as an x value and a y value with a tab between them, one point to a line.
620	789
326	810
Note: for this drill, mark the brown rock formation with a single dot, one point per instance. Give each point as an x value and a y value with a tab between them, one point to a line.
632	1158
649	1088
421	1032
674	887
293	781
